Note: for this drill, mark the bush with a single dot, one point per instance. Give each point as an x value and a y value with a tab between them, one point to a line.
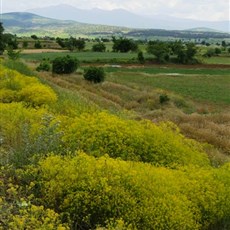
94	74
140	57
65	65
16	87
99	47
44	65
37	45
163	98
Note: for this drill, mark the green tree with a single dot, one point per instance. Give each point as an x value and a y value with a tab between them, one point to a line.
80	44
12	54
2	43
34	37
140	57
99	47
217	51
25	44
11	40
94	74
124	45
160	50
37	45
65	65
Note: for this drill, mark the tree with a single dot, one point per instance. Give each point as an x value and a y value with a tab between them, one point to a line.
34	37
13	55
11	40
99	47
37	45
140	57
65	65
217	51
80	44
94	74
159	49
2	43
124	45
223	43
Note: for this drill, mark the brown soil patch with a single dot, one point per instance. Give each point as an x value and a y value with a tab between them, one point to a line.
30	51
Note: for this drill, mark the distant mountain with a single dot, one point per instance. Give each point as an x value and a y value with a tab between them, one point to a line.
120	17
26	24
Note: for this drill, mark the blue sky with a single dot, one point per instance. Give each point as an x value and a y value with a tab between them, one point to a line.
209	10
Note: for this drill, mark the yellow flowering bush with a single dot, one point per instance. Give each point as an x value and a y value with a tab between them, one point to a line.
93	192
15	87
102	133
17	212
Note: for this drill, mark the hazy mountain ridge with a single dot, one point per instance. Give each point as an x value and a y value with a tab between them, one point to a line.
120	17
26	24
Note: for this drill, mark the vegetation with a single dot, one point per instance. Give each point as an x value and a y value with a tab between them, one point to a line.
94	74
117	155
44	65
99	47
124	45
64	65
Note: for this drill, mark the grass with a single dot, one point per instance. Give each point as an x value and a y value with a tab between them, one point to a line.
83	56
210	88
218	60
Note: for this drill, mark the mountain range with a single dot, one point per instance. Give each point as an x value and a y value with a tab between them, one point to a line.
124	18
26	24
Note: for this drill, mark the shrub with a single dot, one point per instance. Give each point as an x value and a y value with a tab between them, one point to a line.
65	65
101	133
94	74
37	45
92	192
44	65
99	47
16	87
140	57
163	98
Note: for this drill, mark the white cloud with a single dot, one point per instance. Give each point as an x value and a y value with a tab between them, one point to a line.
196	9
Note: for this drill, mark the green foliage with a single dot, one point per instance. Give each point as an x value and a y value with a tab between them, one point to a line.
37	45
2	42
164	98
217	51
160	50
44	65
99	47
140	57
94	74
35	37
124	45
65	65
13	55
25	44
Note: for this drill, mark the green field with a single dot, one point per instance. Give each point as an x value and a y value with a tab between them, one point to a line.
83	56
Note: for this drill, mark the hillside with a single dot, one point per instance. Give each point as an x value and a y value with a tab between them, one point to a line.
26	24
67	163
121	17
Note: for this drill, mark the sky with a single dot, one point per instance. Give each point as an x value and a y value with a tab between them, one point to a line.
208	10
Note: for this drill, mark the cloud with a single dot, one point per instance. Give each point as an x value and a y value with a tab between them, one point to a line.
196	9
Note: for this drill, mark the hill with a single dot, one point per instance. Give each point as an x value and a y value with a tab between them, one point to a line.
26	24
121	17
